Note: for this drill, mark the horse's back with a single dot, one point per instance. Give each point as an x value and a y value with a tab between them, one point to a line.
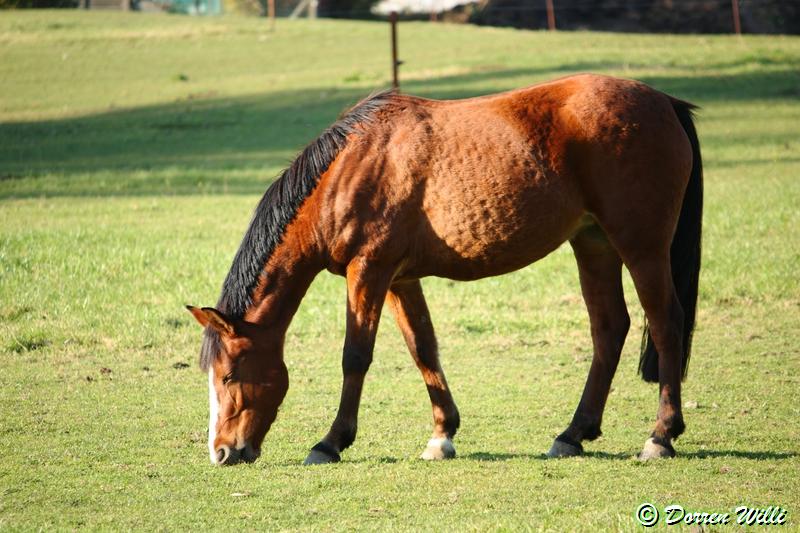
487	185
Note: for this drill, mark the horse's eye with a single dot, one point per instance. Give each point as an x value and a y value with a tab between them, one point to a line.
226	379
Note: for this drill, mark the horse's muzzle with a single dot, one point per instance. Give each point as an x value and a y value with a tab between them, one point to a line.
226	456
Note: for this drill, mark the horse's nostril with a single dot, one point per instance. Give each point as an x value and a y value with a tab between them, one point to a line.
222	454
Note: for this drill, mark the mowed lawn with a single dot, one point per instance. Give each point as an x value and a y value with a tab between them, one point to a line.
133	149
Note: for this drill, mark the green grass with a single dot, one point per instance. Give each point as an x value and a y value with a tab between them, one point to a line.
133	149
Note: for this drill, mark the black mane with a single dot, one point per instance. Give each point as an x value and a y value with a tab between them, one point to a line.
277	209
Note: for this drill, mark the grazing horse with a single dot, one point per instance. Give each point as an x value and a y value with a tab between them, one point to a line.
402	187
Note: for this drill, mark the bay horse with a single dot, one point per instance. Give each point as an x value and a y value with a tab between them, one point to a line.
402	187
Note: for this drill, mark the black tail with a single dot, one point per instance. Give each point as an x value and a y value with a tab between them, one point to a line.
684	253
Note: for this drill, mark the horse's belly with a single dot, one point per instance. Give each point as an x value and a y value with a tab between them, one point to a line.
476	234
496	198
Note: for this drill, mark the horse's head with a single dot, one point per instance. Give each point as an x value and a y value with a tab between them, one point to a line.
247	382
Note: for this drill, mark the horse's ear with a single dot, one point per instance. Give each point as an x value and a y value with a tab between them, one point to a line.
210	317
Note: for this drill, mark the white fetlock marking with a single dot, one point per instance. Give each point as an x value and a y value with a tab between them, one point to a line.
213	411
439	448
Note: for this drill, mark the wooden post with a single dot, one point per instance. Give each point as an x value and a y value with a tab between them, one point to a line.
737	24
271	14
395	62
302	5
551	15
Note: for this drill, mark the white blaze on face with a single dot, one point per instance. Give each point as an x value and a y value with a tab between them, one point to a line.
213	412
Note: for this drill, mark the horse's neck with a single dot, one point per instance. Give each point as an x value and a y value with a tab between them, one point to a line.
283	284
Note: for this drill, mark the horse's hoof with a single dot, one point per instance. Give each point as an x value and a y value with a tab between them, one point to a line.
319	458
438	449
322	454
561	448
656	449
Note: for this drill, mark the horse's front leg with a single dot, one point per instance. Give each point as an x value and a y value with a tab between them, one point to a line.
367	285
414	320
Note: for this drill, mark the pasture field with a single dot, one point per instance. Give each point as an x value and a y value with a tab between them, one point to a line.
133	149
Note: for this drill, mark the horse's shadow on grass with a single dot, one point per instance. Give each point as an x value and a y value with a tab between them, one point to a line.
493	457
738	454
702	454
591	455
501	456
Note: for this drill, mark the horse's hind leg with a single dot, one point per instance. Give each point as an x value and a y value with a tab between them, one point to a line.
411	312
600	270
652	277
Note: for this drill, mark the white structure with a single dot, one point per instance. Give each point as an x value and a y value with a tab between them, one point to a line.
384	7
